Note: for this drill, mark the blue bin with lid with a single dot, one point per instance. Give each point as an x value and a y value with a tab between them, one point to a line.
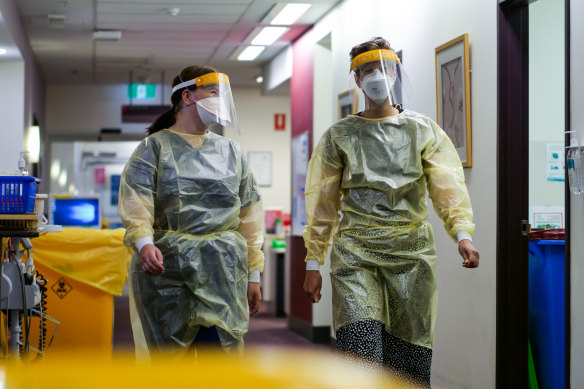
18	194
547	311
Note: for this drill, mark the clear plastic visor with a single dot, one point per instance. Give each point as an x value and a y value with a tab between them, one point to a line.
214	101
380	76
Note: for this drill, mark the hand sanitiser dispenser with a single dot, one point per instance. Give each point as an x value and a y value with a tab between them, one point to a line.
575	162
22	165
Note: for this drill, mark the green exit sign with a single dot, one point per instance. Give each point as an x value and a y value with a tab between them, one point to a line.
141	91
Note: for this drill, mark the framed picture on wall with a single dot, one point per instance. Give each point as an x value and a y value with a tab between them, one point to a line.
347	103
453	94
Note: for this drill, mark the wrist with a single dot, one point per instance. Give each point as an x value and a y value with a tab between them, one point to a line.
463	235
254	276
140	243
312	264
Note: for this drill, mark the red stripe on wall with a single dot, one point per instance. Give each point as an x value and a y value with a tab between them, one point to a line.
301	85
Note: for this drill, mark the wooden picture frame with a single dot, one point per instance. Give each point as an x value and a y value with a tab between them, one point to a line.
347	103
453	95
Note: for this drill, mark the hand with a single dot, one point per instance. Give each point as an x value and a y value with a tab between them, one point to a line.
254	297
469	254
312	285
151	259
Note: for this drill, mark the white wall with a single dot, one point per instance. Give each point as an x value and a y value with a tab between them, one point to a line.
465	337
255	114
278	70
324	117
12	114
546	97
27	99
77	109
577	201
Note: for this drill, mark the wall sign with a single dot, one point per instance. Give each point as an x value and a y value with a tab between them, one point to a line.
279	121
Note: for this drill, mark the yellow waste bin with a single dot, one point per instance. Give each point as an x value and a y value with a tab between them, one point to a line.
277	368
83	269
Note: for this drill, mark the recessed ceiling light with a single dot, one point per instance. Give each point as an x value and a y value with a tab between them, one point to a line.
250	53
290	13
56	20
2	51
173	11
268	35
259	79
107	35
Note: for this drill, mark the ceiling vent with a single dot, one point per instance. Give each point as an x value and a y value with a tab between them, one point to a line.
56	20
107	35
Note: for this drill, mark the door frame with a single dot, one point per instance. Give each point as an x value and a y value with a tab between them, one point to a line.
513	193
567	197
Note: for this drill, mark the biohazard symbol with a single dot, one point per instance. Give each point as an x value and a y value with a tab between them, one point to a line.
61	287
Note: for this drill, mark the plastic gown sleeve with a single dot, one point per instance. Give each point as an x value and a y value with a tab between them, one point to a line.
446	186
251	217
136	196
251	228
322	191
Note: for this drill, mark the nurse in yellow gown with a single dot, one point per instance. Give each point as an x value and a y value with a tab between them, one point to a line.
192	210
366	195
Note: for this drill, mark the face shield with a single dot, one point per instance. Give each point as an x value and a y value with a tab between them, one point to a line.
215	102
380	75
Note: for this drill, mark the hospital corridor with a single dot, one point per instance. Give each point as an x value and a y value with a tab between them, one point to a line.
315	194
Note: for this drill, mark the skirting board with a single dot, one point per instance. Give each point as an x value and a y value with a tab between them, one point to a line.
320	335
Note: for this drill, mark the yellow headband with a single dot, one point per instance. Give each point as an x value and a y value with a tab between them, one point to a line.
209	78
212	78
374	55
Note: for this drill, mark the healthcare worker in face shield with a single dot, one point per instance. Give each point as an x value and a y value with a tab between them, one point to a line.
373	169
192	210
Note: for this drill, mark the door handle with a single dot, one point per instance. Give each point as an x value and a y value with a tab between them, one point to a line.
525	227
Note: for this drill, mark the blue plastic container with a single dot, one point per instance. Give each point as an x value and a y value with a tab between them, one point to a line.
547	311
18	194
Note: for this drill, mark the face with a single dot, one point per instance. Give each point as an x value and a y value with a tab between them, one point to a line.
369	67
209	90
202	92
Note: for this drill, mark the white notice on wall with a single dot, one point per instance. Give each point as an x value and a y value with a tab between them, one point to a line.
546	217
299	167
260	163
554	165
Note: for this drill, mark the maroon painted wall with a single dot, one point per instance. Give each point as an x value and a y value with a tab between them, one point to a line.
301	85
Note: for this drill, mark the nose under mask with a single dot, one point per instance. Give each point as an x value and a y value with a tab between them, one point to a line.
213	110
377	86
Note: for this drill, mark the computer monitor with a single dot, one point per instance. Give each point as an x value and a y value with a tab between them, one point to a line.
75	211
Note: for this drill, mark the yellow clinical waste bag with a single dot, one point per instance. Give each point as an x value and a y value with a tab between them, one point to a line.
84	268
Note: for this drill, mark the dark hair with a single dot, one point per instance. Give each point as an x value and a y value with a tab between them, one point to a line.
168	118
377	43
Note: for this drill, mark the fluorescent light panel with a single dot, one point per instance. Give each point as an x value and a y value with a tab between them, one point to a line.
268	35
33	144
290	14
250	53
2	51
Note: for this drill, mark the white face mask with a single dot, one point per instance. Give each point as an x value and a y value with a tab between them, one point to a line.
212	110
376	86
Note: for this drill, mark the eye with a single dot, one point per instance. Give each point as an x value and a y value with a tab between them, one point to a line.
212	90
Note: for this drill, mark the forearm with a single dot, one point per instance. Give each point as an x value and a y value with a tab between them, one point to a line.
136	212
322	209
447	189
251	228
